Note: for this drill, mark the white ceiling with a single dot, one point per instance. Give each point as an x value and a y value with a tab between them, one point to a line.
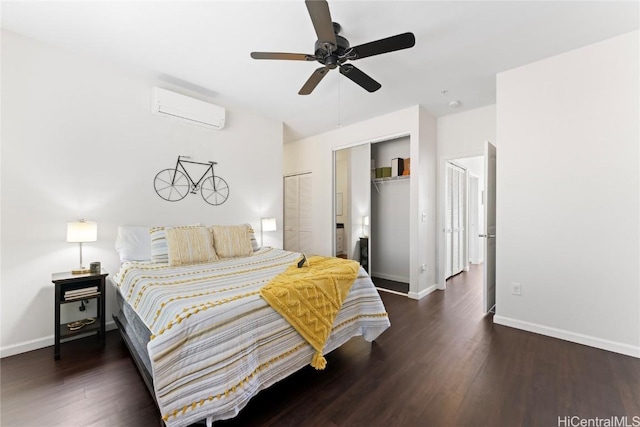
204	46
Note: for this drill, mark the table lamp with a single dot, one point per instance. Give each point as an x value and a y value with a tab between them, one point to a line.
268	224
80	232
365	226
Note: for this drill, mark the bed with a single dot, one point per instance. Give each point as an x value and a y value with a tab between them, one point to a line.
204	339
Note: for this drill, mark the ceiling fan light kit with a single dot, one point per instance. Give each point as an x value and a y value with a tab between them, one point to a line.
333	51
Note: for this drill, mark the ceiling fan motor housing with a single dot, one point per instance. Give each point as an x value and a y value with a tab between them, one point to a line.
330	58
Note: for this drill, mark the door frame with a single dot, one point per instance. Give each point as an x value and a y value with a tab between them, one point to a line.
441	200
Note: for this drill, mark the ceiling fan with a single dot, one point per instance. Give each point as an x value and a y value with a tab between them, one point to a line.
333	51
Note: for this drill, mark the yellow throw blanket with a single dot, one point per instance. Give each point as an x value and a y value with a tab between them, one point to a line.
310	297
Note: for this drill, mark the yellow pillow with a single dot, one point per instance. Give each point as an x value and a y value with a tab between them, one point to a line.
190	245
232	241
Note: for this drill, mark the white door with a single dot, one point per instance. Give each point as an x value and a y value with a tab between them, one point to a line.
473	219
304	214
489	294
455	220
448	220
297	213
291	213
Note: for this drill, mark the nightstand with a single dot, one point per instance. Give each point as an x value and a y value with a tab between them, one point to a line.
71	288
364	253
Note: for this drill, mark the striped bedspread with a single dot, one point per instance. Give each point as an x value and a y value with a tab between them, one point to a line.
216	342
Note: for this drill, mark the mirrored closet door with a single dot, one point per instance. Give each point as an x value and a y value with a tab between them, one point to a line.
352	180
372	212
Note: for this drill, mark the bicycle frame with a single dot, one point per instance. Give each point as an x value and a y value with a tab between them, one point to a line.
194	184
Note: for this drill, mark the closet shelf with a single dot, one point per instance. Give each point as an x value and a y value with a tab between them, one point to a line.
376	181
393	178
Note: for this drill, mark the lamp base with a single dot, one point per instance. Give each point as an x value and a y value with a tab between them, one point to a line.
80	270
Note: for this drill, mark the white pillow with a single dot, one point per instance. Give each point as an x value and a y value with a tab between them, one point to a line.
133	243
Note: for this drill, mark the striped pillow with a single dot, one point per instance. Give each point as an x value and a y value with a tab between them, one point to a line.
159	247
232	241
190	245
252	235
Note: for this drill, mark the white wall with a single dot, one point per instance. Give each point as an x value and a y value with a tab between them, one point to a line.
568	196
463	134
315	154
460	135
390	216
79	141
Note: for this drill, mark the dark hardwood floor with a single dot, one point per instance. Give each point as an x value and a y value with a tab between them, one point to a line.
442	363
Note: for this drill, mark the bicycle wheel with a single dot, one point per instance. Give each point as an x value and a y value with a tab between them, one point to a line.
215	190
171	184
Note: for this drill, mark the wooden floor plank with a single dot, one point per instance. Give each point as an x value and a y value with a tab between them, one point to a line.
442	363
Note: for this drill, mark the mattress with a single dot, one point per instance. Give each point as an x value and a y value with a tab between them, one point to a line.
212	342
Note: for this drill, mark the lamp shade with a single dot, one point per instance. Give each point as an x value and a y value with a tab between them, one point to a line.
82	231
269	224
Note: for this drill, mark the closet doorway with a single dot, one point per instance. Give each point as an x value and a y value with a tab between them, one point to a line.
372	213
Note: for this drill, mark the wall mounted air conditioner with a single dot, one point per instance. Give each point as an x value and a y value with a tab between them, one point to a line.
167	103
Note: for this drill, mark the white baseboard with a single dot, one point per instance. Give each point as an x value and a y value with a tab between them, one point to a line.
38	343
389	291
423	293
395	278
588	340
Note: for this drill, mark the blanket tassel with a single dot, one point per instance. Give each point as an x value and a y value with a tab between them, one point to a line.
318	361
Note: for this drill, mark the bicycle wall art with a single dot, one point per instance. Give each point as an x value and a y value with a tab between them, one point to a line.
175	183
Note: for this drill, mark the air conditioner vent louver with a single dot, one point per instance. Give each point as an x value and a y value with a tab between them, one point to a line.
191	110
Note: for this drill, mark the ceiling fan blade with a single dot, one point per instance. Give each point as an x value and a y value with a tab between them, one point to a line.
283	55
313	81
390	44
360	78
321	18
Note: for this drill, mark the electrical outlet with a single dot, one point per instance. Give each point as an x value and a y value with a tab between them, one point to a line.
516	289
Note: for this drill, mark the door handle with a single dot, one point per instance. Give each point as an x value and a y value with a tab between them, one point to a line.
488	236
